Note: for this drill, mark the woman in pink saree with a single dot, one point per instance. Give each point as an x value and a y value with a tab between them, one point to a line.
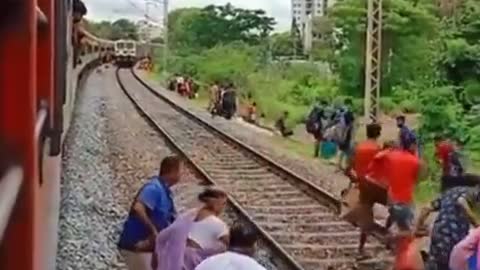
194	236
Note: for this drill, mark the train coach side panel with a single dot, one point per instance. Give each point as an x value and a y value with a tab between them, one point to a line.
51	172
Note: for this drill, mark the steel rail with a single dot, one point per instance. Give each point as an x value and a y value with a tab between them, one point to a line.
269	240
310	188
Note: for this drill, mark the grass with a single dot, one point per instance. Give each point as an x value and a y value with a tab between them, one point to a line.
301	148
426	191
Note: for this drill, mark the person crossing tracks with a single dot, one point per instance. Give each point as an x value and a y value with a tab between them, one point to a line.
152	211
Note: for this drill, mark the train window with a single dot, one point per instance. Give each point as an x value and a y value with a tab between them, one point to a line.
130	45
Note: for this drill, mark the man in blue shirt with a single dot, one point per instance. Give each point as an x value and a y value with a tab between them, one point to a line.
152	211
405	133
345	122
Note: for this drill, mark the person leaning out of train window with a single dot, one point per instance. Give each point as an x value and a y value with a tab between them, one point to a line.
152	211
79	11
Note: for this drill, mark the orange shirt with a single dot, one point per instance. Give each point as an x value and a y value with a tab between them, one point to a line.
402	168
364	154
376	171
442	151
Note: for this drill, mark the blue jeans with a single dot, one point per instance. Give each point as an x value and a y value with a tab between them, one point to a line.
402	215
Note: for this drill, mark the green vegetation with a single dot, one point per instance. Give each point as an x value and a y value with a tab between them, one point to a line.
431	62
119	29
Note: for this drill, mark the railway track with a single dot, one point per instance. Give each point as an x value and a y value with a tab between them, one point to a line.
299	220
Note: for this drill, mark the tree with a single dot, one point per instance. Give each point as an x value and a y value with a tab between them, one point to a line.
296	38
214	25
124	29
281	44
101	29
120	29
323	46
179	27
410	36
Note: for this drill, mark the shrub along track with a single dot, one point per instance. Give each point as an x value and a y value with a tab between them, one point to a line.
299	220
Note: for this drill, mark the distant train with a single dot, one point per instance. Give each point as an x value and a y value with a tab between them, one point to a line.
125	53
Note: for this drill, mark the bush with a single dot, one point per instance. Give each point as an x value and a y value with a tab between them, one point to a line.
387	105
409	106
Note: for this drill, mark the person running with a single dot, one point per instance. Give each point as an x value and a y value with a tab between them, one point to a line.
357	168
194	236
239	254
281	125
152	211
455	210
403	169
377	175
376	172
314	124
345	123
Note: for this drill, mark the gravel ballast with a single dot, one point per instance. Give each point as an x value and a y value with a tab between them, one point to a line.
109	152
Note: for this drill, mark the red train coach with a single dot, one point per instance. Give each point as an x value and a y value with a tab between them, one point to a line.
38	80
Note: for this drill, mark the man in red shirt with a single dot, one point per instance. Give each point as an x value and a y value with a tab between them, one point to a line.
403	171
403	168
443	148
363	155
376	173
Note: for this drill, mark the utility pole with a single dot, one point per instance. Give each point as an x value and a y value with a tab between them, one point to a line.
165	35
165	27
373	61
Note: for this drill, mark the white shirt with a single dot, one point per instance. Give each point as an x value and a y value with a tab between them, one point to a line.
229	261
206	232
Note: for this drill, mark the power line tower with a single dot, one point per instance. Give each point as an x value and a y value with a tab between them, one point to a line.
373	61
164	4
165	35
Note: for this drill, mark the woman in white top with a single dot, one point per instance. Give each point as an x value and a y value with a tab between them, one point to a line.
194	236
208	229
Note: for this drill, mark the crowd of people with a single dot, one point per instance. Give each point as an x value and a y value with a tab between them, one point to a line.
223	100
388	175
155	237
146	64
185	86
332	127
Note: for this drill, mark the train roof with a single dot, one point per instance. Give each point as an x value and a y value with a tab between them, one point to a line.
125	40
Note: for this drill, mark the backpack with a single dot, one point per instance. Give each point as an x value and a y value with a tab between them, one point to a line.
314	120
229	101
229	97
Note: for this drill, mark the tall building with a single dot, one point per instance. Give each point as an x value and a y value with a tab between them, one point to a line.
148	30
303	12
301	9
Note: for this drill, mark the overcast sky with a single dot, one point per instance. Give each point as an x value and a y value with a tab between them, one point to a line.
133	9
